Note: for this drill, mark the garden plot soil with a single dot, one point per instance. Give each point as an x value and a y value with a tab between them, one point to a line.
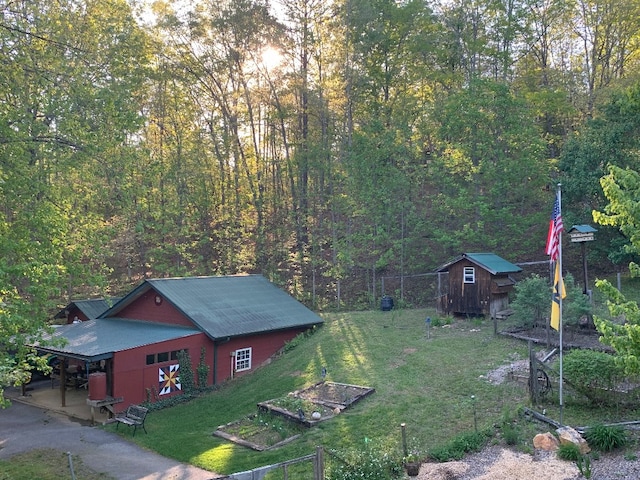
334	394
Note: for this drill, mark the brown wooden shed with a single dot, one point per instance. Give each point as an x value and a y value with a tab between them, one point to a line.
479	284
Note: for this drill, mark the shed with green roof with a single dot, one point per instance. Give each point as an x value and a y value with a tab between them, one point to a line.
479	284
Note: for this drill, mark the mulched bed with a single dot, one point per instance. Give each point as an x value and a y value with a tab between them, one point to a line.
571	338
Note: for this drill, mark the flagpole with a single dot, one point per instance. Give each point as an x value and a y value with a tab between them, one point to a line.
561	294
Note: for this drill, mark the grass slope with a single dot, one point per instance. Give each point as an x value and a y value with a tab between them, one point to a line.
425	383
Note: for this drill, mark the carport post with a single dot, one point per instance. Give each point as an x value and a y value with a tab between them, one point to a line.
63	381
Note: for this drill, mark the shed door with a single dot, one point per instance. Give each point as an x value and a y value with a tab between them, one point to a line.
470	292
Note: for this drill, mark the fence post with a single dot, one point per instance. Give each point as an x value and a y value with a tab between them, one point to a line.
533	375
318	464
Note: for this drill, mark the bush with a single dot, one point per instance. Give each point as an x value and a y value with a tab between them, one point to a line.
604	438
510	434
569	452
370	463
531	301
531	304
593	374
459	445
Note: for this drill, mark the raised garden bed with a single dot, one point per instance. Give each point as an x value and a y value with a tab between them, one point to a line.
280	420
259	432
316	403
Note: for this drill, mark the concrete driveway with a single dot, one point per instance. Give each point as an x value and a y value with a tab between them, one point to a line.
26	427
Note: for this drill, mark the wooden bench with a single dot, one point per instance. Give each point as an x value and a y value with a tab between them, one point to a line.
134	417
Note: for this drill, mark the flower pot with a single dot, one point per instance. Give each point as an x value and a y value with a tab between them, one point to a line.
412	468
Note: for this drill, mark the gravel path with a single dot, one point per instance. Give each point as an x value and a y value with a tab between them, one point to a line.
499	463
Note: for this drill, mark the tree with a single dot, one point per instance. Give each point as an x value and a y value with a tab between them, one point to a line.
622	332
593	160
487	143
71	80
531	301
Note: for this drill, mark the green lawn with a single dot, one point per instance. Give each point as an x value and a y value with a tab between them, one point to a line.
426	383
46	464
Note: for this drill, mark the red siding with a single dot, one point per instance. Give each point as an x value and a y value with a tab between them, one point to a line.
132	376
263	347
145	308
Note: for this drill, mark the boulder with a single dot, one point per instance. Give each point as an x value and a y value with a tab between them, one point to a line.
546	441
570	435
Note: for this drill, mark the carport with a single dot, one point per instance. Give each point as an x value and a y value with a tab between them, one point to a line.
93	346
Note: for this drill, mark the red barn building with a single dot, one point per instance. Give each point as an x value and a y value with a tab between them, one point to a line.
232	324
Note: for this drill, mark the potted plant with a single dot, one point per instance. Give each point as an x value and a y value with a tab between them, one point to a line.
412	463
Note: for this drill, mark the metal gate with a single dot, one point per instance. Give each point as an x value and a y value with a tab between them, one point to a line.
317	460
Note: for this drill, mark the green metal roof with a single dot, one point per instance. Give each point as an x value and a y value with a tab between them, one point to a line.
92	308
583	229
489	261
228	306
95	340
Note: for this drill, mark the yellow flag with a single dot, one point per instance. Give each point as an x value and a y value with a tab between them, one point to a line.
558	290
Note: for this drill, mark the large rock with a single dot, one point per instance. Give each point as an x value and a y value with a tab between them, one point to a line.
546	441
570	435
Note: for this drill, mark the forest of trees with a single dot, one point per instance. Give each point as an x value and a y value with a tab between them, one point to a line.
323	144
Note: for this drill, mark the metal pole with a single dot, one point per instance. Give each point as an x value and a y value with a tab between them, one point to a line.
73	474
561	292
403	427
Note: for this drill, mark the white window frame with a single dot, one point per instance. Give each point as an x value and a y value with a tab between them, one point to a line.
243	359
469	275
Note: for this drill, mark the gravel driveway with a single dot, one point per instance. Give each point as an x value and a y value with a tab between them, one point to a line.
25	427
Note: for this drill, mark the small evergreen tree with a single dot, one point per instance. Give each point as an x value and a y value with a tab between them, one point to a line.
203	369
531	302
186	372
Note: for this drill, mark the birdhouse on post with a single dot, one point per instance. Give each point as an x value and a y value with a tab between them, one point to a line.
582	233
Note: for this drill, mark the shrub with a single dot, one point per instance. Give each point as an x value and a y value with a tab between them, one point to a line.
440	321
606	438
510	434
459	445
531	301
584	466
570	452
186	372
593	374
203	369
369	463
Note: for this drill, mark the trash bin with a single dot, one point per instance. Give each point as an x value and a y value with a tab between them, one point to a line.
386	303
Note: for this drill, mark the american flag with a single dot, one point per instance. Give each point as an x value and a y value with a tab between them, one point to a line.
555	227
